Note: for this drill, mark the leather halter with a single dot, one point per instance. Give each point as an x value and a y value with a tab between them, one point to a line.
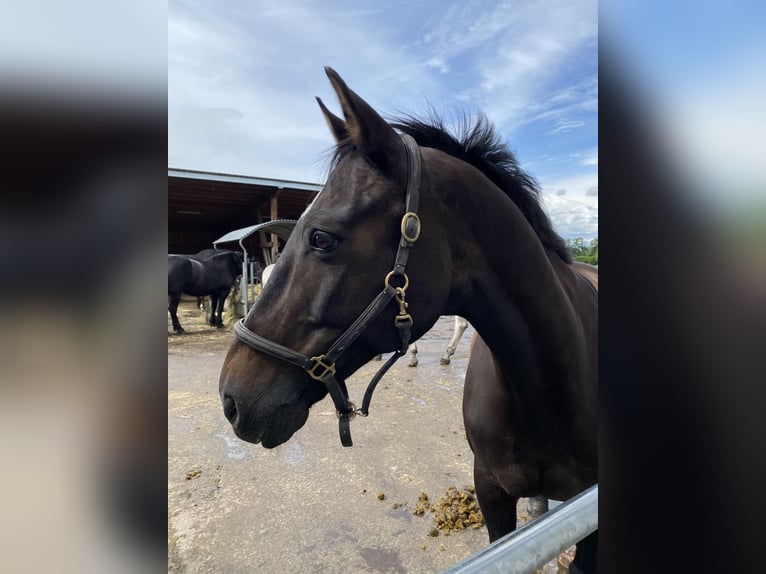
322	367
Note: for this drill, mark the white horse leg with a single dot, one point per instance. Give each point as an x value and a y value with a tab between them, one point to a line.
203	303
460	326
413	351
538	505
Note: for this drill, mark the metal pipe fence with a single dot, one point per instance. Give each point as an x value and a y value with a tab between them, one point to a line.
528	548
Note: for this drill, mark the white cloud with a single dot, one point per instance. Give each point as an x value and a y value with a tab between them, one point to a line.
576	186
591	159
581	97
437	63
517	47
572	218
563	126
575	213
241	83
242	76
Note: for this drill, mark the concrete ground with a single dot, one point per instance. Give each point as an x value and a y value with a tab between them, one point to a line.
311	505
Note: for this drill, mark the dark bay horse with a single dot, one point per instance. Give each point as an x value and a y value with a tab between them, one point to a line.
414	223
204	255
200	275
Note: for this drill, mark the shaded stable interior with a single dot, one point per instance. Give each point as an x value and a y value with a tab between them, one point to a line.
204	206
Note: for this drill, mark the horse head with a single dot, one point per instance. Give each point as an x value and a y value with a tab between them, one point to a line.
410	227
338	259
236	263
228	261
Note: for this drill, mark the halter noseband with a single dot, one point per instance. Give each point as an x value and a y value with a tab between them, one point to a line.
322	367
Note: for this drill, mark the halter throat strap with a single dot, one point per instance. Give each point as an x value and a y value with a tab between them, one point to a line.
322	367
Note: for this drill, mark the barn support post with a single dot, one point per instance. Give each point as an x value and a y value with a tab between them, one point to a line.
265	245
243	281
274	213
528	548
251	279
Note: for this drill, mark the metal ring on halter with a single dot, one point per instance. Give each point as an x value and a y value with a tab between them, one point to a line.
410	235
391	274
351	414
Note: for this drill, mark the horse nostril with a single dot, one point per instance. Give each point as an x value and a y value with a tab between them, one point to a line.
229	408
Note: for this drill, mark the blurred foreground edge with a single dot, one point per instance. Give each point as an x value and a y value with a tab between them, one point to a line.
681	323
83	391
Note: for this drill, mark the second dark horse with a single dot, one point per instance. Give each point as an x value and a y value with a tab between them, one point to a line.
198	276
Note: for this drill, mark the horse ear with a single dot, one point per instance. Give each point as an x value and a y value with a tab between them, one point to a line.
370	133
337	126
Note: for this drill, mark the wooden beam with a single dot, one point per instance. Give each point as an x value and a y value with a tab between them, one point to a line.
274	205
265	245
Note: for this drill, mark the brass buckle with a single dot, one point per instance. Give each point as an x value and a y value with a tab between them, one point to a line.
317	363
351	414
410	216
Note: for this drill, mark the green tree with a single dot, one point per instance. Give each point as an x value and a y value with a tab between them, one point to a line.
582	252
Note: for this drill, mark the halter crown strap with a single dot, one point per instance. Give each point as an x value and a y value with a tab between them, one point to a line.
410	227
322	367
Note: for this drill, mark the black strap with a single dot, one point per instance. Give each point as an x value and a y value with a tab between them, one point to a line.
270	347
338	395
411	202
357	327
413	166
365	410
404	328
344	429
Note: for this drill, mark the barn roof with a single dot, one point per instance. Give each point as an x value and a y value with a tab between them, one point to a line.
203	206
281	227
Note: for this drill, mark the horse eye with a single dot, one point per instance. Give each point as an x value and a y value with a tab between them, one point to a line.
323	241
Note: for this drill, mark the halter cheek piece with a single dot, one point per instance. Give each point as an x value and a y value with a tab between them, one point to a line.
322	367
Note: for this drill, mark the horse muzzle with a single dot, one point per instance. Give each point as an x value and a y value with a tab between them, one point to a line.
266	422
241	423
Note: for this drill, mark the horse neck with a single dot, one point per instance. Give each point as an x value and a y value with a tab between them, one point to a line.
516	293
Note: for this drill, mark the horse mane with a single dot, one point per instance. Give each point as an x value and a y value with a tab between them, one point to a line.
476	142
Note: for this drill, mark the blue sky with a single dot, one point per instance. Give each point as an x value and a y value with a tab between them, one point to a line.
242	76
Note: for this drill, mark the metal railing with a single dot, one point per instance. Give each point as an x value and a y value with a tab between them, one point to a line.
528	548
